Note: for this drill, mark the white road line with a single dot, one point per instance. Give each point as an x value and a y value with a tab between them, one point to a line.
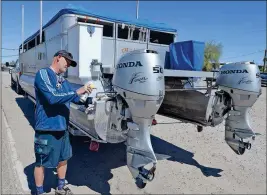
14	157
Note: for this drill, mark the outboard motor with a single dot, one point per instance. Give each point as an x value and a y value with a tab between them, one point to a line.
240	86
139	80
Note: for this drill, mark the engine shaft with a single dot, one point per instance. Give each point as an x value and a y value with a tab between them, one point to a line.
238	128
139	148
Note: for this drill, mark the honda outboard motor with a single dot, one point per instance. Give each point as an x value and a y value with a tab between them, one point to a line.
240	86
139	80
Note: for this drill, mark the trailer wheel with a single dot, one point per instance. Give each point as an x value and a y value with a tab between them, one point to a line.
199	128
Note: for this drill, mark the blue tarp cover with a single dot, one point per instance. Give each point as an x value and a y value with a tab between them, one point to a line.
122	19
186	55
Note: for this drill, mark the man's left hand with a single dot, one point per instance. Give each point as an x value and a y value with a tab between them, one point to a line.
87	88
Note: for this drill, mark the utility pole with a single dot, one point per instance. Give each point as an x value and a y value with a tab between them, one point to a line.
41	20
137	8
22	28
1	35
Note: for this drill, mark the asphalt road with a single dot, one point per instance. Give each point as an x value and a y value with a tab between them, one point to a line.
200	162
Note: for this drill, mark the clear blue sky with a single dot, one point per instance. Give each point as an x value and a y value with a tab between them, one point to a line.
239	26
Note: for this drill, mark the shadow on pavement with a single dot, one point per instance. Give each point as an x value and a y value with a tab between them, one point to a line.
27	108
93	169
85	168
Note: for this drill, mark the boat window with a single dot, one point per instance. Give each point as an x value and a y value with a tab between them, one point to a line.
38	39
20	49
107	29
107	26
123	31
135	33
43	38
161	37
131	32
31	44
139	34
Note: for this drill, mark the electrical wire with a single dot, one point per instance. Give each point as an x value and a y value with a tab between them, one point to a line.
245	54
9	49
257	30
8	56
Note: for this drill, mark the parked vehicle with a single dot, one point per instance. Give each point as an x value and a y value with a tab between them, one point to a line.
15	74
263	78
6	66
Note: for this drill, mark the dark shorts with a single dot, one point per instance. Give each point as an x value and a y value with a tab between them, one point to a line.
51	148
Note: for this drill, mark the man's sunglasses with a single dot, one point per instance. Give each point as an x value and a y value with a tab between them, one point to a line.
68	61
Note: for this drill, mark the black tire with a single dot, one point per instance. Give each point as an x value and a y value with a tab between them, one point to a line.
18	88
12	82
199	128
71	137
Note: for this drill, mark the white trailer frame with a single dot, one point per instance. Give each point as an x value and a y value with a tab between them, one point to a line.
55	36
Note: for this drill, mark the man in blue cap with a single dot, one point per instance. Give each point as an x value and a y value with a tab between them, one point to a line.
53	96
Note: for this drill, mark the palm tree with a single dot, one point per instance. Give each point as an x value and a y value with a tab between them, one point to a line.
212	54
